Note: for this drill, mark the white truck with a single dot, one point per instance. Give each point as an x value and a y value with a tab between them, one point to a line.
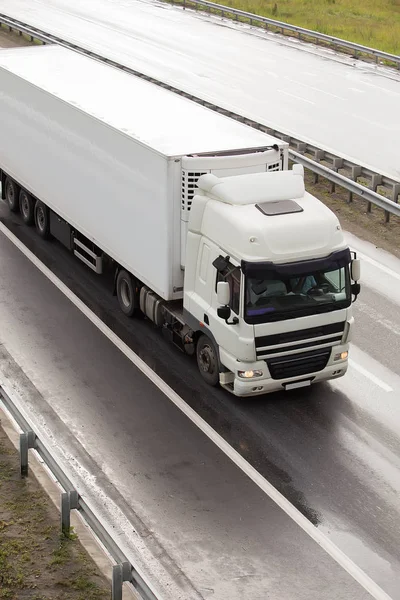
209	234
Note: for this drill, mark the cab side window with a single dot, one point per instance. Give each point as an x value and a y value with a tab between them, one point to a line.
232	275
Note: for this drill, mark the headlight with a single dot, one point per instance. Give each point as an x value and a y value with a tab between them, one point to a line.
250	374
341	356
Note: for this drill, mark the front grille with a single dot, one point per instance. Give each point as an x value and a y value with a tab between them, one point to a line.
295	365
332	341
298	335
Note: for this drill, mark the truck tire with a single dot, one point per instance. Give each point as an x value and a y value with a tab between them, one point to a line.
126	293
42	220
26	207
207	360
12	194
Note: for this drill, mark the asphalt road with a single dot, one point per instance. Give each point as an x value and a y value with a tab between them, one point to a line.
332	451
218	534
296	88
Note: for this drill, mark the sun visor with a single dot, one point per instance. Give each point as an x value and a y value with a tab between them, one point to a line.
265	270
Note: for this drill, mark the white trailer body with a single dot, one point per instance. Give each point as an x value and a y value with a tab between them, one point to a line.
117	157
209	235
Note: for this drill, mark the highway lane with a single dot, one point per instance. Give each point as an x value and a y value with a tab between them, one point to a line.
332	451
332	101
204	528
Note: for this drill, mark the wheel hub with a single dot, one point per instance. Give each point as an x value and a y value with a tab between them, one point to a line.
40	217
125	294
25	205
205	360
10	193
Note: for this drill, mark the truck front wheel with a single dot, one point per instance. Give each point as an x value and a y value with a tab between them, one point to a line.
26	207
207	360
42	220
126	293
12	195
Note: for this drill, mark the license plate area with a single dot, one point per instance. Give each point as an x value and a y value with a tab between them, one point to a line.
293	385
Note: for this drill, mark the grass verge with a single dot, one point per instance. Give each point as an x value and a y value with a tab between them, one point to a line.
12	39
355	218
36	562
373	23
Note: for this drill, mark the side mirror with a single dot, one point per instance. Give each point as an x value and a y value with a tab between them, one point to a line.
223	293
224	312
355	269
355	289
224	297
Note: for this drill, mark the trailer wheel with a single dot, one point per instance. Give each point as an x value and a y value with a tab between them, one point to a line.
26	207
207	360
12	195
42	220
127	293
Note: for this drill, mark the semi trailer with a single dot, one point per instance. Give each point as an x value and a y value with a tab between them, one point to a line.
209	234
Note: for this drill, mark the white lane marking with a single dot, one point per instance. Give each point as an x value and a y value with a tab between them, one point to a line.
294	96
370	376
311	87
378	265
377	316
380	89
325	543
357	90
371	122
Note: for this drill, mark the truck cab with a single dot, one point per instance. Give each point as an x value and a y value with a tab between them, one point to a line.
269	283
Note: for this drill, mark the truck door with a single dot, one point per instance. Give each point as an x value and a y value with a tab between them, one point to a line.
238	339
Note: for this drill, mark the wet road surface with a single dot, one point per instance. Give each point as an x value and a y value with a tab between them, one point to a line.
333	451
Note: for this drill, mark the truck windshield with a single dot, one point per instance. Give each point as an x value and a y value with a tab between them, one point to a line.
275	297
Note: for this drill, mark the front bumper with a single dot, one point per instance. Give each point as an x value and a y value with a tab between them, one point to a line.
266	384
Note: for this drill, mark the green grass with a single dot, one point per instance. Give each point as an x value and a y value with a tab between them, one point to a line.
36	562
373	23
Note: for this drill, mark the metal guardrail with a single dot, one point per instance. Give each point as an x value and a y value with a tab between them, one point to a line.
357	50
299	148
123	570
352	186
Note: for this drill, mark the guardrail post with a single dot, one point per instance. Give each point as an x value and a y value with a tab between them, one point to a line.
355	174
69	500
376	181
120	573
26	440
318	156
337	164
395	198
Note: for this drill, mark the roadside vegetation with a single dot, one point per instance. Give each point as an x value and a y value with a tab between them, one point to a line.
11	39
355	218
373	23
36	562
